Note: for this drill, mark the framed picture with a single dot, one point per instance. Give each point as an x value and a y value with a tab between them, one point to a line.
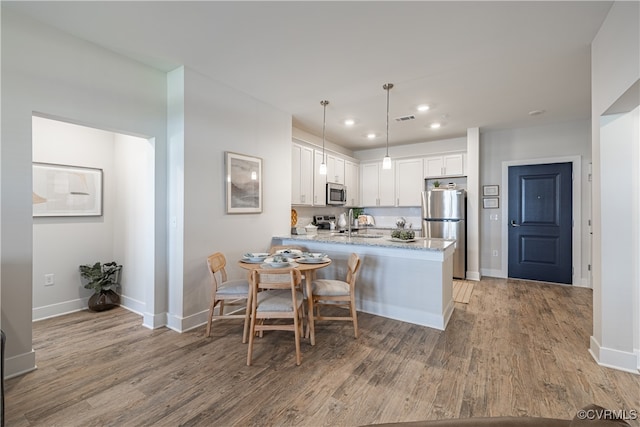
61	190
490	202
490	190
244	183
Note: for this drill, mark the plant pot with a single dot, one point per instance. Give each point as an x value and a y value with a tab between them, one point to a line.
105	300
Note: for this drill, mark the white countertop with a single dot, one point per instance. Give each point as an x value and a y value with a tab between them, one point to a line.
420	243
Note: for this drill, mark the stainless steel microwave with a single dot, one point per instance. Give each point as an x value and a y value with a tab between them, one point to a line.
336	194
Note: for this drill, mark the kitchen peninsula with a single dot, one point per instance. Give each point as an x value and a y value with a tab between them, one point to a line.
407	281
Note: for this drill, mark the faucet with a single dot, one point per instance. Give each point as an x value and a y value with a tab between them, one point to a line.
350	221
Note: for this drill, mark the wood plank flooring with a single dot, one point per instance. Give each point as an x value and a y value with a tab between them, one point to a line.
462	290
517	348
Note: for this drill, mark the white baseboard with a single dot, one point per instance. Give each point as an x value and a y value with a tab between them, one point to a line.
131	304
493	273
20	364
58	309
473	275
154	321
615	359
184	324
405	314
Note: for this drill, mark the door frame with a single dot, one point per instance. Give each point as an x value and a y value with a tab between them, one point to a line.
576	234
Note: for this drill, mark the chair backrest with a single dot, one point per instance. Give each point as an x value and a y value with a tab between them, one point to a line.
216	263
282	278
275	248
278	278
353	266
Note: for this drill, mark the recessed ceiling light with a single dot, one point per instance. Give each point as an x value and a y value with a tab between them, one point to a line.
423	108
349	122
536	112
371	135
435	125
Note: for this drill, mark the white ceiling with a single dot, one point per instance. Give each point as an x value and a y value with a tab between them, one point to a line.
478	64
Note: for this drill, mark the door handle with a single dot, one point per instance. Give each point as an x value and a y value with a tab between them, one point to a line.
513	224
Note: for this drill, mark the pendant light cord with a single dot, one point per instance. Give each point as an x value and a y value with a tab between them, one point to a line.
324	119
387	87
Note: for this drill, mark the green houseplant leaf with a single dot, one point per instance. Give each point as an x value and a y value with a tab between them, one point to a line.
101	277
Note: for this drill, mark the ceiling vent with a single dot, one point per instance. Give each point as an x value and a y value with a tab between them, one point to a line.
405	118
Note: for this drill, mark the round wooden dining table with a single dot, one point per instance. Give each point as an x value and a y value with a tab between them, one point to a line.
309	272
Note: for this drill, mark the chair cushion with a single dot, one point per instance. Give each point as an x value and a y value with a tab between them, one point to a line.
329	287
277	300
234	287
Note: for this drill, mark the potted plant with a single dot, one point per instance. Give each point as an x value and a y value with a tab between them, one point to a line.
104	279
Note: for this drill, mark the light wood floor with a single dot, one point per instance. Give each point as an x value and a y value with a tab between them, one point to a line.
517	348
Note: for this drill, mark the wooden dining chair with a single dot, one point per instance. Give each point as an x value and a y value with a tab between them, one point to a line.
275	294
336	293
225	293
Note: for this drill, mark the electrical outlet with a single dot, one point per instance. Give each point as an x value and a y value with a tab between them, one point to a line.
494	253
49	279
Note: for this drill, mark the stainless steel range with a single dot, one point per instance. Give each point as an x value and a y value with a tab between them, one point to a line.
323	222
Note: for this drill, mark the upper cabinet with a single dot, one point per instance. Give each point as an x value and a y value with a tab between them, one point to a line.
301	175
445	165
409	182
377	184
352	182
335	169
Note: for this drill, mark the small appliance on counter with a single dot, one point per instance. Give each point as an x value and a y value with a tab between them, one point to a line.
323	222
366	220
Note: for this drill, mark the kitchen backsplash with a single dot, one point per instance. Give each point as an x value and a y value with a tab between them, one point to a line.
383	217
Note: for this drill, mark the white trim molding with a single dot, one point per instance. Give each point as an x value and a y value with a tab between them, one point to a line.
615	359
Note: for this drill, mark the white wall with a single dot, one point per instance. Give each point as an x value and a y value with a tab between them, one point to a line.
537	142
615	68
47	72
133	224
218	119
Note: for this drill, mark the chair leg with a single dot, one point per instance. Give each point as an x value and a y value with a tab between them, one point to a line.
221	307
297	332
210	319
354	315
252	332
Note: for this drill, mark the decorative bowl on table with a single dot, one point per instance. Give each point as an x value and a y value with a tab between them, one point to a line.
313	257
278	261
291	253
255	256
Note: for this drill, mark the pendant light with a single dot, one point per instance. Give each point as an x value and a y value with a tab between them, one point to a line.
386	162
323	165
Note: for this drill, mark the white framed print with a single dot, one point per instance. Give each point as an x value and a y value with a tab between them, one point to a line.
490	203
243	176
490	190
62	190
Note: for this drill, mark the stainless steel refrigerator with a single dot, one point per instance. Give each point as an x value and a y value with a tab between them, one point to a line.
443	216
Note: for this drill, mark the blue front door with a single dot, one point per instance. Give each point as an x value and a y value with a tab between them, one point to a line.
540	222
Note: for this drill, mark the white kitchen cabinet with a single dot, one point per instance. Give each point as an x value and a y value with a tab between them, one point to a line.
445	165
352	182
301	175
335	169
319	181
409	182
377	184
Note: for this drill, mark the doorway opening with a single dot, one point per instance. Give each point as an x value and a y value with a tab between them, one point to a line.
123	231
